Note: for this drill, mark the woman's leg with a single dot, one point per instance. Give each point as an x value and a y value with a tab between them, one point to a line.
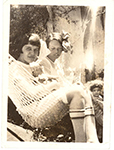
90	126
82	120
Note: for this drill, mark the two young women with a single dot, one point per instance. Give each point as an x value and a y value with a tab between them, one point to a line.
73	95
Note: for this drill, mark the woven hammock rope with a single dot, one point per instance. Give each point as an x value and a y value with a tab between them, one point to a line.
37	104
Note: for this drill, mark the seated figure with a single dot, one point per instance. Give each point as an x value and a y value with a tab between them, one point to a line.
97	100
75	96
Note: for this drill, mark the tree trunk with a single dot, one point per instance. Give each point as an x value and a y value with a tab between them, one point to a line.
50	20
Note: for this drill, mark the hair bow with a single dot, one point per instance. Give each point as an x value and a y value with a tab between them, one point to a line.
65	43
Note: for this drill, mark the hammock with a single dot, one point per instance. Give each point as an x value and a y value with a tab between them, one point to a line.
39	106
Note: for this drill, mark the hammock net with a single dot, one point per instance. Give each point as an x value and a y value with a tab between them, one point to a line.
39	106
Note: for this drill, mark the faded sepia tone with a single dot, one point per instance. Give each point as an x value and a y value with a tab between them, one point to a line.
83	65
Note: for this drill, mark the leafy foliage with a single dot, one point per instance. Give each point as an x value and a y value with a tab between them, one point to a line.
24	20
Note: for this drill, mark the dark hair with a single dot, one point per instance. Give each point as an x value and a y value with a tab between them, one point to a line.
23	41
26	40
96	86
35	43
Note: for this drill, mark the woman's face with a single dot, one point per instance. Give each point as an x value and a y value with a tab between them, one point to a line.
30	53
56	48
96	92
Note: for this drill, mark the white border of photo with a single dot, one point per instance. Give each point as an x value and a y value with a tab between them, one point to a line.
109	36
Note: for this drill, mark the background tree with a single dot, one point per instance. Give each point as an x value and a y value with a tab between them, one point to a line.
24	20
77	20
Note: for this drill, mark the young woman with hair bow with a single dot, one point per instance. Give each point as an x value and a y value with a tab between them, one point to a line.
74	95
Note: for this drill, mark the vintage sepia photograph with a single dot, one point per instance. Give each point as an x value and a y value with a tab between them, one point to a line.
57	74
